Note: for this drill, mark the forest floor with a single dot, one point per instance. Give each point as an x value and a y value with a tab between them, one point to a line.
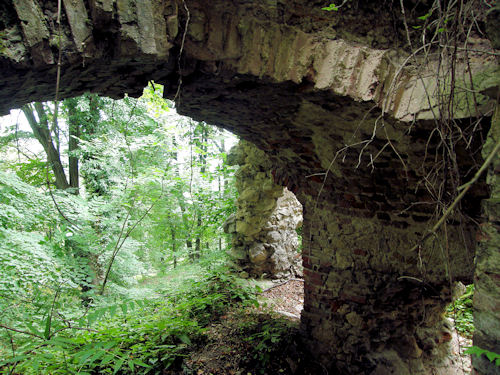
239	342
245	342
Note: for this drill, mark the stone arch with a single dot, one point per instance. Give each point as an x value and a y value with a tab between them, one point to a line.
345	128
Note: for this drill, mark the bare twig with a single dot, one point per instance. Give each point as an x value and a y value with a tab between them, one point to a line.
464	188
119	244
21	331
282	283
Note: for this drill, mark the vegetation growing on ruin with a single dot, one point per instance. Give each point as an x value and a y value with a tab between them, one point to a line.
461	312
111	245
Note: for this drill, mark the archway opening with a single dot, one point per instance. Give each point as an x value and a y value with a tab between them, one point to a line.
356	130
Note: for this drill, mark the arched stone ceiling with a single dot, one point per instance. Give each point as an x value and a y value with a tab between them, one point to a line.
347	114
299	82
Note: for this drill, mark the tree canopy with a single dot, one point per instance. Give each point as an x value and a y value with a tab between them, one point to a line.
96	196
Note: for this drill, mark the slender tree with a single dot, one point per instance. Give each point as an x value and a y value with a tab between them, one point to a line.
43	134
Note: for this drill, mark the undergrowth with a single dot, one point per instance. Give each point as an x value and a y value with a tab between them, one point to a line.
252	341
131	337
267	339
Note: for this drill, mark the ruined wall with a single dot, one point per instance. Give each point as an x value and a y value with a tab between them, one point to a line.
353	290
350	121
487	263
265	241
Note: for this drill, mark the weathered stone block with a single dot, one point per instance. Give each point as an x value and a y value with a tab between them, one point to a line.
267	217
35	31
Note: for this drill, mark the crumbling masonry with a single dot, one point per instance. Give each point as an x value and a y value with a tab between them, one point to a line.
265	241
346	117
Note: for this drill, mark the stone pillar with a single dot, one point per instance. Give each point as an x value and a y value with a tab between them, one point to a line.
487	270
372	304
265	241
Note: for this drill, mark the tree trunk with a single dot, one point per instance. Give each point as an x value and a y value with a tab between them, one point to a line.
84	124
174	245
41	132
222	182
74	135
189	245
73	160
203	167
197	252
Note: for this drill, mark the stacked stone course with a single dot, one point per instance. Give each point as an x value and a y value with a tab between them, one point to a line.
265	242
487	262
309	88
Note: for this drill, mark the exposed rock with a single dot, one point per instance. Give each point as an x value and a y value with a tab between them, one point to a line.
265	241
493	25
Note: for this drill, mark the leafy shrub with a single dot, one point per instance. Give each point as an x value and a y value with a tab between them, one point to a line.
132	337
492	356
22	207
271	337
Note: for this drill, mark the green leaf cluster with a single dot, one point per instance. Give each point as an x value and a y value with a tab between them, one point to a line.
492	356
461	312
270	338
3	47
132	337
331	7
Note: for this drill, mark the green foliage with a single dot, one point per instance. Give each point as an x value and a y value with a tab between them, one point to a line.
492	356
30	243
3	47
153	96
131	337
13	135
429	21
424	17
153	183
271	337
21	206
461	312
299	232
33	171
55	345
27	262
335	7
331	7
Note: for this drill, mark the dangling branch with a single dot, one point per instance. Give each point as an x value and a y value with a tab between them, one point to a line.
58	74
464	188
184	34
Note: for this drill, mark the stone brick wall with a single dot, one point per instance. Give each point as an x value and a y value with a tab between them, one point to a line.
366	312
487	265
345	126
265	241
